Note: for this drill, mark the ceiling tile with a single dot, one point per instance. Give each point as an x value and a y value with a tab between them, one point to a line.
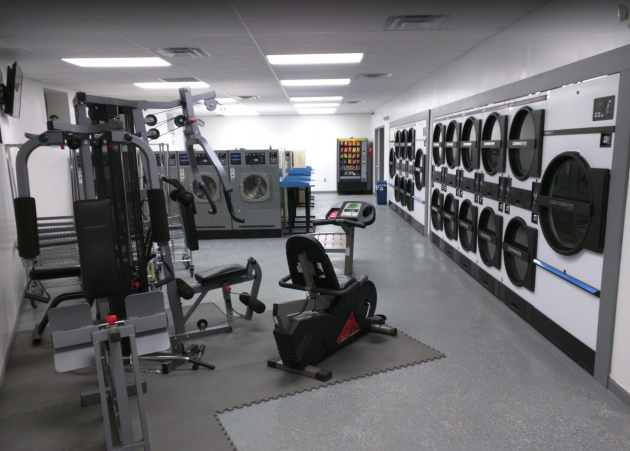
52	28
165	27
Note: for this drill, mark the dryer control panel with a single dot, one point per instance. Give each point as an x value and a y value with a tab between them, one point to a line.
273	157
202	159
223	158
255	158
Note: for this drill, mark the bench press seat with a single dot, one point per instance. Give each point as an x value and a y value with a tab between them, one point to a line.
220	274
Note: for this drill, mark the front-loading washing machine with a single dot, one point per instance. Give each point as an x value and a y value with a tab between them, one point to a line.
256	195
205	222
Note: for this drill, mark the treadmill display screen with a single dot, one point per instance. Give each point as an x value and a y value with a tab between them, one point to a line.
351	210
235	158
255	158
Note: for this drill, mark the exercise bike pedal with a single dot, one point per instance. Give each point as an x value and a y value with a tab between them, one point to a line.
376	319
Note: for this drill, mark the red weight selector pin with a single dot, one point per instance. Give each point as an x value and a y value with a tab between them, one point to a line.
111	319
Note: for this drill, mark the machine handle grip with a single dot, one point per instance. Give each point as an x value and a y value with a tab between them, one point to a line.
283	283
253	303
213	206
339	222
163	281
228	201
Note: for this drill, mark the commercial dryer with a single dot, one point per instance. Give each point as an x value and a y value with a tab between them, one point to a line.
256	196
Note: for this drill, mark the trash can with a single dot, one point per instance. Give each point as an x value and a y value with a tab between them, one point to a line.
381	192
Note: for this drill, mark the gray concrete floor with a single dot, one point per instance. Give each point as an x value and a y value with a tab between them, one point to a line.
502	385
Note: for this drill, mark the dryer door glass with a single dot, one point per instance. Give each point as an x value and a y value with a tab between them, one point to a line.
254	187
491	156
565	199
396	191
418	169
489	234
210	184
402	189
436	209
450	216
409	193
519	251
452	153
524	131
392	162
438	139
467	226
469	134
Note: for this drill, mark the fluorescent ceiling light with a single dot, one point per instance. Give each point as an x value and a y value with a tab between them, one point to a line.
316	99
224	100
117	62
315	105
172	85
317	82
317	111
326	58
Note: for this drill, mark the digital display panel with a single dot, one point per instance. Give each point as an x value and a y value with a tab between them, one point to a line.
183	160
235	158
203	159
255	158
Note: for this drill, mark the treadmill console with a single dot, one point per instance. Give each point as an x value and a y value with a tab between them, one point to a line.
255	158
222	158
354	211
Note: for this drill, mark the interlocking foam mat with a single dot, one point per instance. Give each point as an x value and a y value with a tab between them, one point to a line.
40	408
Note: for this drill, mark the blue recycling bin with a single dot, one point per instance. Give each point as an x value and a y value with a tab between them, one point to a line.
381	192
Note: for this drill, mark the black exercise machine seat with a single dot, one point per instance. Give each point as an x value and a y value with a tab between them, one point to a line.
220	274
326	280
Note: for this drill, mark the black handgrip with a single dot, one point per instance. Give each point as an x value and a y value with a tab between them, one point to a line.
184	290
338	222
200	363
36	298
253	303
228	201
283	283
175	183
213	207
163	281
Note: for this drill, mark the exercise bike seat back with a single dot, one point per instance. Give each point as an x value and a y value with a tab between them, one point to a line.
322	268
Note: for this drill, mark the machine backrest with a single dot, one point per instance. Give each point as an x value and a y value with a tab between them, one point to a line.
324	273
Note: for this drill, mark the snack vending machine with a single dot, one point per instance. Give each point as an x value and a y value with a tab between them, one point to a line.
354	163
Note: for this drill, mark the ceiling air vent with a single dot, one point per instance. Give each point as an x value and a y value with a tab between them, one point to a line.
417	22
352	102
183	52
370	76
247	97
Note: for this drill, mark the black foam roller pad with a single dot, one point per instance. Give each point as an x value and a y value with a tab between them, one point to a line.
159	217
97	248
187	214
26	224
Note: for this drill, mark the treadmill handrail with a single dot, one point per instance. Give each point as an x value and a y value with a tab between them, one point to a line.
356	284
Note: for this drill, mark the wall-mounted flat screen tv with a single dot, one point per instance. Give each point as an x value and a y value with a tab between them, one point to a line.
13	91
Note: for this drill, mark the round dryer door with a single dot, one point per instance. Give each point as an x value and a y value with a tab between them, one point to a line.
437	203
468	226
397	144
489	237
402	189
438	145
255	187
519	249
525	153
451	212
418	169
409	194
212	183
392	162
470	153
493	151
451	150
396	190
572	204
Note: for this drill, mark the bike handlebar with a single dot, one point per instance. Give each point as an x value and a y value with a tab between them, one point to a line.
339	222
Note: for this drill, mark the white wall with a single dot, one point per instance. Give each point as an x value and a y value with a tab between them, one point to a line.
317	134
554	35
51	188
620	371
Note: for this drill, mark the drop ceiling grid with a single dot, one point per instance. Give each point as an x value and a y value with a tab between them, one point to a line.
39	33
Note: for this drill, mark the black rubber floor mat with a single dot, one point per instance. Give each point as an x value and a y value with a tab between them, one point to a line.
40	409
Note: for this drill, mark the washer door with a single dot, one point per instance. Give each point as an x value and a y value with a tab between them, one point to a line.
519	251
451	212
470	144
572	204
493	144
255	187
489	237
525	143
451	147
437	205
418	169
212	183
392	162
468	226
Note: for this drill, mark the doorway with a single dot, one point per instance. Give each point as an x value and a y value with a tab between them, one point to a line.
379	147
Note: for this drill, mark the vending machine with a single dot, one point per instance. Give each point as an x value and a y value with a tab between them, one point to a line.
354	166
